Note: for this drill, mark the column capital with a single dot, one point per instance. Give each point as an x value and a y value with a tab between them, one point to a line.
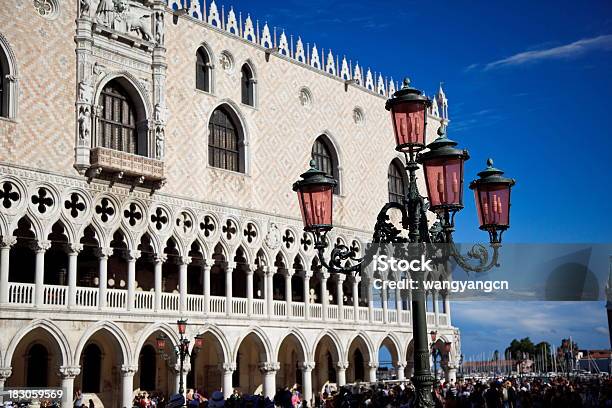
184	260
7	241
308	365
340	277
103	252
69	372
269	367
128	370
133	255
356	279
160	258
74	248
307	274
325	275
5	372
208	263
343	365
401	364
270	270
251	270
289	272
228	367
40	246
373	364
230	266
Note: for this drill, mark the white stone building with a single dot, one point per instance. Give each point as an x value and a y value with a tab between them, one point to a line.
147	153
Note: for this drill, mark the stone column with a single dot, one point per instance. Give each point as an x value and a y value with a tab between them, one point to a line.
132	256
324	294
400	366
398	304
73	254
183	262
307	368
103	254
127	385
288	291
356	280
249	276
307	275
5	373
269	370
208	263
384	304
370	295
229	269
269	286
5	249
372	372
447	308
451	373
434	298
228	371
40	247
159	262
67	374
409	302
342	366
340	295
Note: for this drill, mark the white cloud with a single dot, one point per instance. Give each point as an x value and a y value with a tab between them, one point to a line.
577	48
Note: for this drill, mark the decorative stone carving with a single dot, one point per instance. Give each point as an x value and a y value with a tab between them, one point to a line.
226	61
159	28
85	8
85	92
358	116
305	97
161	113
273	237
48	9
84	124
269	366
159	143
122	16
66	372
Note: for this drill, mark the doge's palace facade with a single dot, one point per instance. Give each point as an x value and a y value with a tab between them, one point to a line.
147	153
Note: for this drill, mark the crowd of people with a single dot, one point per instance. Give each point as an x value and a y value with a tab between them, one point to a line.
511	392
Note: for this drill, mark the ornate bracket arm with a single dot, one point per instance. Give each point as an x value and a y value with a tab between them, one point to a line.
477	253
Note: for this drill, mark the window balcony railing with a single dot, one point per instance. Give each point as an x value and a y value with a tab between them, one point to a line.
127	167
88	299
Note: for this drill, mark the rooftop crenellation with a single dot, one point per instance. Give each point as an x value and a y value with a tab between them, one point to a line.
295	48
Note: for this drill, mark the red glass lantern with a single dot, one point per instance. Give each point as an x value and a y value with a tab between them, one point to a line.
182	326
198	342
443	167
492	195
160	342
315	194
408	108
433	334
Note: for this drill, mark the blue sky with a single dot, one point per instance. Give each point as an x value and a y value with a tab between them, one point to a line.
528	84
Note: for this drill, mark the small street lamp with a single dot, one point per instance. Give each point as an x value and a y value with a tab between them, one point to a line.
181	350
443	168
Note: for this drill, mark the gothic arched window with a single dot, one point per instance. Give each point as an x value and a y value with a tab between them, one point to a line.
3	85
120	126
203	70
8	85
397	180
38	365
248	85
225	141
326	159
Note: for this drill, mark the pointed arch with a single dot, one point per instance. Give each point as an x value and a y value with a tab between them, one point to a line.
300	339
362	337
393	344
165	328
261	337
9	90
226	121
205	72
248	80
335	340
54	331
326	155
115	332
397	181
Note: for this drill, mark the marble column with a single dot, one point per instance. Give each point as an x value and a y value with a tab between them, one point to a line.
340	295
68	374
324	294
229	269
288	291
73	254
40	247
398	304
400	367
6	243
269	370
5	373
373	366
228	371
184	261
269	287
208	263
159	262
249	275
356	280
132	256
307	275
103	254
370	296
307	368
384	304
342	366
127	385
451	373
434	298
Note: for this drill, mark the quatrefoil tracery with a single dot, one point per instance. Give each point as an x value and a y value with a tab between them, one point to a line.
75	204
8	194
42	200
105	209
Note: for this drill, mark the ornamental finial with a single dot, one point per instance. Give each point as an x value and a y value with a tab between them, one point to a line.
313	164
489	162
442	130
406	83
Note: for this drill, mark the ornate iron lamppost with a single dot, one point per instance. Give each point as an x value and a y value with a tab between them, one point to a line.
181	350
443	169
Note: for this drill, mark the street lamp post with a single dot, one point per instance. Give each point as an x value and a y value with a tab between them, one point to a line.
181	350
443	168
